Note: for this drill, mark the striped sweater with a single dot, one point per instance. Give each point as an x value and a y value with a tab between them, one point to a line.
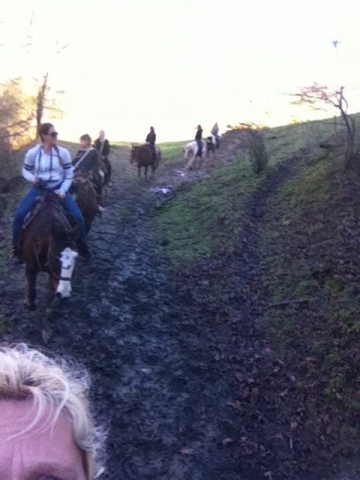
54	170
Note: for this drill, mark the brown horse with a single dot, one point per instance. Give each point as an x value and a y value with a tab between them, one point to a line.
143	156
48	242
87	196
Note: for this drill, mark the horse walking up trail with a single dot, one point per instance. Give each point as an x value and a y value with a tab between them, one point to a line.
144	157
48	243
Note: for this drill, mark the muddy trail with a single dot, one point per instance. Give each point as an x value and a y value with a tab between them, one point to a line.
187	387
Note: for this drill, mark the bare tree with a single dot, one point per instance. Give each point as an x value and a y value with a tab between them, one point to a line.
16	114
41	99
47	101
319	97
253	143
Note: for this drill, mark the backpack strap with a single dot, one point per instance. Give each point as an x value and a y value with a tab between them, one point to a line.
61	161
77	164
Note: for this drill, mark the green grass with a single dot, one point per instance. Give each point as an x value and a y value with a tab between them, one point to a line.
284	142
121	143
299	239
306	256
207	219
172	150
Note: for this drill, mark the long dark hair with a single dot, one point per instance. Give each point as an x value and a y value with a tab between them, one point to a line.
43	130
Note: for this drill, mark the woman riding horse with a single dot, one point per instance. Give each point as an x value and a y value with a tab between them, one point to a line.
102	145
48	167
150	140
198	139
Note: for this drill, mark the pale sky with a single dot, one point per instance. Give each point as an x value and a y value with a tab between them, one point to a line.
174	64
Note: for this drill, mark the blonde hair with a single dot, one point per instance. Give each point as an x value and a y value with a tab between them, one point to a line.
57	387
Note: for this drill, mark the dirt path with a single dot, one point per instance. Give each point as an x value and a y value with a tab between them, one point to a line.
157	383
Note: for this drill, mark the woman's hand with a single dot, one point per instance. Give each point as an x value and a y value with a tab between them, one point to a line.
36	181
61	194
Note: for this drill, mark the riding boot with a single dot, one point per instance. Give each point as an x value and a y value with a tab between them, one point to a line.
83	249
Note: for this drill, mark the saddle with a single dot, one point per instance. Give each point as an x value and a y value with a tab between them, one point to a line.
49	197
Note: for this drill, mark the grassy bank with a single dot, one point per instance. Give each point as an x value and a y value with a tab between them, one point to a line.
171	150
207	218
307	243
309	239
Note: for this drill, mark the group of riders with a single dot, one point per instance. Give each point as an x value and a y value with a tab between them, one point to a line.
50	167
198	138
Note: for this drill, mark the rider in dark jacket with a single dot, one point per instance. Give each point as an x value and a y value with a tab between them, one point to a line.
150	140
215	132
87	160
198	138
102	145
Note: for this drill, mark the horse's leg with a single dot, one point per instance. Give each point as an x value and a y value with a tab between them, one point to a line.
139	171
31	289
146	170
50	292
191	160
46	330
104	195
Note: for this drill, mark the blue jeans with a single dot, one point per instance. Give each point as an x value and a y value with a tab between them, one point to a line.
200	147
28	202
153	149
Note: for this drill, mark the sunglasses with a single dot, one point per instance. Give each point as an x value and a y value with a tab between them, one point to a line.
54	134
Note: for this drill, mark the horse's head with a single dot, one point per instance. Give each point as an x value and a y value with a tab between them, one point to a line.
61	255
67	264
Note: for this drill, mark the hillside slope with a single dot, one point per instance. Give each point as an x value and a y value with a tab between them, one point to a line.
293	234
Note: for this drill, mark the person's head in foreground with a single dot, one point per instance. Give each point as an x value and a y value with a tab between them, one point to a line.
47	429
